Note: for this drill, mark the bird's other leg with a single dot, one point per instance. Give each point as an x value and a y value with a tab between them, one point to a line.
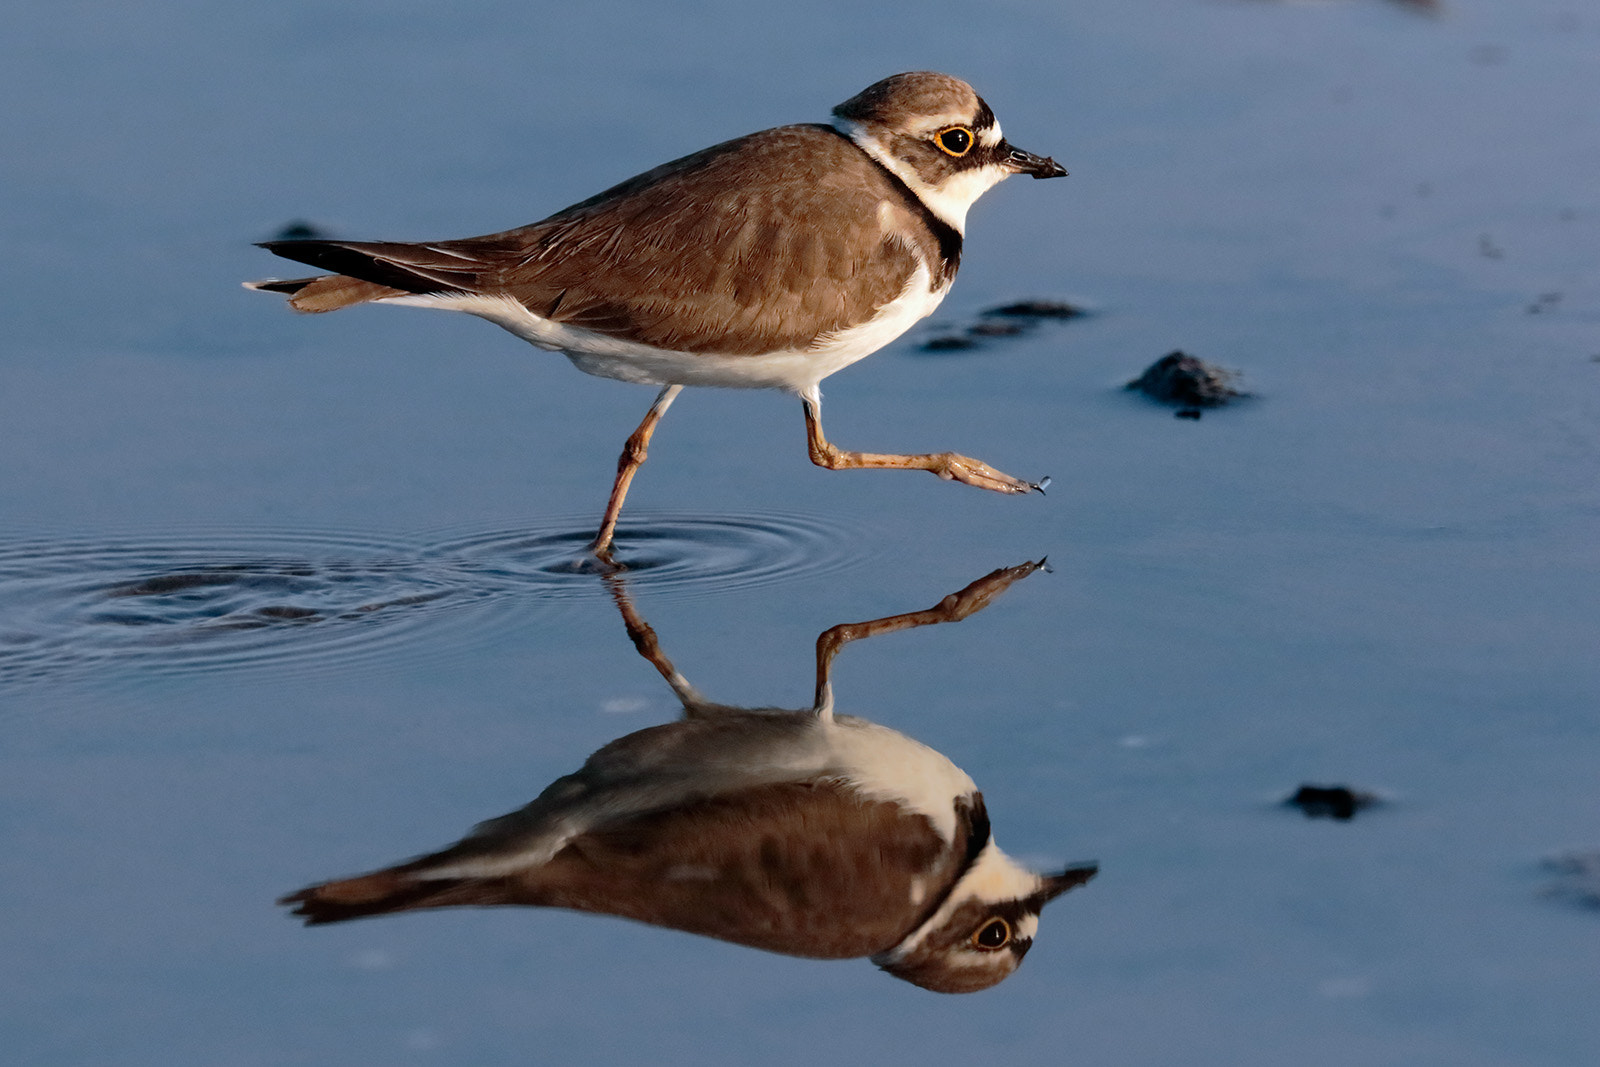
948	465
633	455
957	606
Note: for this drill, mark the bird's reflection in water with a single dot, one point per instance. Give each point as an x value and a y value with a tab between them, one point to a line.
801	832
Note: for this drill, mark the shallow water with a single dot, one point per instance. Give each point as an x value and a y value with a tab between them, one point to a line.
283	598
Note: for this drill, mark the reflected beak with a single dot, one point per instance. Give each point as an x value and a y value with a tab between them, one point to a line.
1072	877
1021	162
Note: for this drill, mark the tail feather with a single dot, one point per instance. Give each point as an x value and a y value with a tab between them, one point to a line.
384	892
412	268
366	271
327	293
281	285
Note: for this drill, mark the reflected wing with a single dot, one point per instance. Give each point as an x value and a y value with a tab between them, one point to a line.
808	869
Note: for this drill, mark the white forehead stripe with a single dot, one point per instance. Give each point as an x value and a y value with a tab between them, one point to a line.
949	118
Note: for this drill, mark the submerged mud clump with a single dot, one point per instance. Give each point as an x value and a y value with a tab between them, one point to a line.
1577	878
1005	320
1330	801
301	230
1037	309
1180	379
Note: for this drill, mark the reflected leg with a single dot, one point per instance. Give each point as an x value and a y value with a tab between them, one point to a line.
953	608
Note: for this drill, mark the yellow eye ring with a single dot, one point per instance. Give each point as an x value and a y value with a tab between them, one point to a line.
955	141
992	935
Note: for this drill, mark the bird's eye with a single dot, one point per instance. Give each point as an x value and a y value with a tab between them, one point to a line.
992	935
955	141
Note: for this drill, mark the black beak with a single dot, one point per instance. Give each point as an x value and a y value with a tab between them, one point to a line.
1072	877
1022	162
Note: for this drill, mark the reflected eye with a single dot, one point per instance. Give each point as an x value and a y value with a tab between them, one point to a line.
955	141
992	935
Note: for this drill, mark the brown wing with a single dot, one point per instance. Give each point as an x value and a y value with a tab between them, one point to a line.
721	251
803	869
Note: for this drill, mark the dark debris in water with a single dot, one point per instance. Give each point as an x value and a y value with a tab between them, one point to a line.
1576	878
1330	801
1005	320
1188	383
1038	309
301	230
949	342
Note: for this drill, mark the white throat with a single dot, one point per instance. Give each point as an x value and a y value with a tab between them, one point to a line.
949	200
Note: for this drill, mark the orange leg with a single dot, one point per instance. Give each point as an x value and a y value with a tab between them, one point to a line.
633	455
947	465
953	608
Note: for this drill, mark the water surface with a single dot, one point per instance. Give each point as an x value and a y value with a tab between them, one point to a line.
286	596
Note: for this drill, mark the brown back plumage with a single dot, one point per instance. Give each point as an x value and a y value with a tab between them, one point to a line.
709	253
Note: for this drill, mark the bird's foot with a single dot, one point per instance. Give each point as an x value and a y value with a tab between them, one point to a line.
979	594
971	471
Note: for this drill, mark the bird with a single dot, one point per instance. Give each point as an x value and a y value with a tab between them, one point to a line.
801	832
768	261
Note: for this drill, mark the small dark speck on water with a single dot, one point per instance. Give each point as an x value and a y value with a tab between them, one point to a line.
950	342
300	230
1577	878
1330	801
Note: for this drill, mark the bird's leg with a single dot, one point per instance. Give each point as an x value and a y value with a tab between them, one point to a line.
953	608
633	454
947	465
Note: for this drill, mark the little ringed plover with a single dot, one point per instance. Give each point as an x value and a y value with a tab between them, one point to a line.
769	261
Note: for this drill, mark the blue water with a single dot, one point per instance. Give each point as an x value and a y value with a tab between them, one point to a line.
281	597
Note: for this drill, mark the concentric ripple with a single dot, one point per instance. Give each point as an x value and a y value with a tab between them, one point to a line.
232	599
208	602
680	554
